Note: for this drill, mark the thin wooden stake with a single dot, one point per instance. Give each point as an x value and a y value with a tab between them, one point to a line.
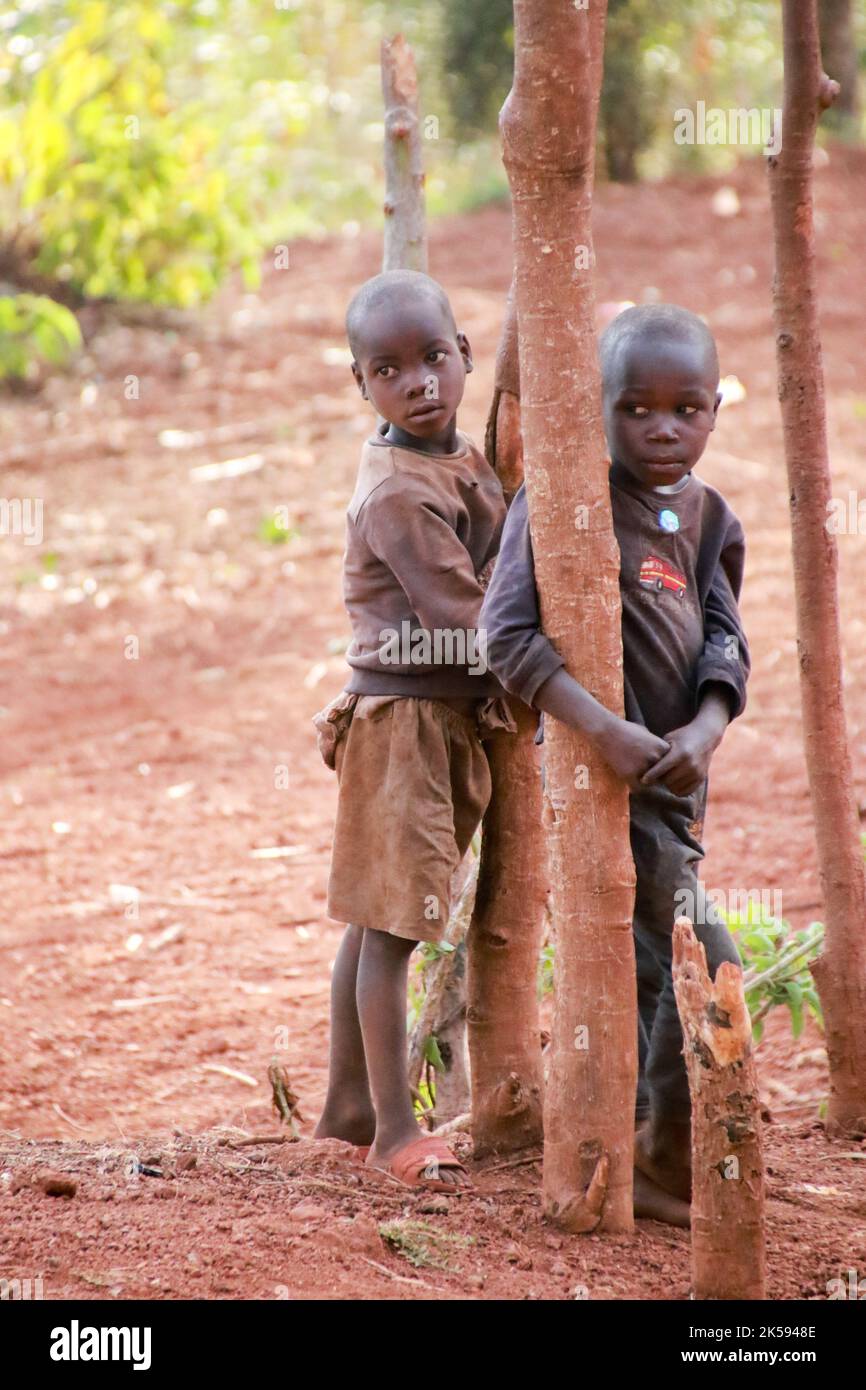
405	227
840	971
727	1168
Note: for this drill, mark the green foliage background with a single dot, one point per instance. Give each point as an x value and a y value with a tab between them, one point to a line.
147	147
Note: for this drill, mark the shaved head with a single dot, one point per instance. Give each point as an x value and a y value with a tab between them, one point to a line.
394	288
648	326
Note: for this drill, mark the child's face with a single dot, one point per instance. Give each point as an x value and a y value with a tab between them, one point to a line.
412	367
660	408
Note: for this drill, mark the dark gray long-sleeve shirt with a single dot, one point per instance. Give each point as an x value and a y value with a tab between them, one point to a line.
681	573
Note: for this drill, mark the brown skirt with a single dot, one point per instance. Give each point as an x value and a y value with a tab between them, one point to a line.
414	785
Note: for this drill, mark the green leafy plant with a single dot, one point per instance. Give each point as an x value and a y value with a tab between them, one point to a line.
34	330
424	1101
273	532
776	967
427	954
107	183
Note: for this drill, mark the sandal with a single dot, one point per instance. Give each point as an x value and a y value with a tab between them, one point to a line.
418	1164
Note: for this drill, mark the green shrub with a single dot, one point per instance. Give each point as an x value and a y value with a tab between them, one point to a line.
776	967
34	330
108	185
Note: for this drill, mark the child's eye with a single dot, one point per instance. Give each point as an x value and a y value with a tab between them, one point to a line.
380	370
639	411
688	409
440	353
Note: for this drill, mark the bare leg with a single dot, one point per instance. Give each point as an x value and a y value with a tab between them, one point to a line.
348	1112
382	972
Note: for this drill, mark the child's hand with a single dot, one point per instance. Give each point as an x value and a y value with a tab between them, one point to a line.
685	766
630	749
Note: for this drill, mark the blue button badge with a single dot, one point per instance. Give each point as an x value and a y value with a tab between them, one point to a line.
668	520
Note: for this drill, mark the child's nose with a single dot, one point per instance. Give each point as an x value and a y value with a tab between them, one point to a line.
418	384
664	429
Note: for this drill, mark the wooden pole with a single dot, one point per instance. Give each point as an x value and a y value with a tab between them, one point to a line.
505	936
727	1169
405	248
840	971
405	225
548	127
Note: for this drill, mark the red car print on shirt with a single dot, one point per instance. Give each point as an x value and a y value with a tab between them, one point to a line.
658	574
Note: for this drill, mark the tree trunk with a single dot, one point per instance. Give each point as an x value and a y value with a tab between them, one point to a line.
840	972
839	55
548	129
444	1013
727	1168
505	936
405	228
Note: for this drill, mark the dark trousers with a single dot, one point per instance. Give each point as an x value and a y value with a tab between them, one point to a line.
666	847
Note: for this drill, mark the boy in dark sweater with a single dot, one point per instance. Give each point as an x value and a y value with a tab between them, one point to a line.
685	665
424	526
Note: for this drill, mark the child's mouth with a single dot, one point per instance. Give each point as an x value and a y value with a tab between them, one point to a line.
425	410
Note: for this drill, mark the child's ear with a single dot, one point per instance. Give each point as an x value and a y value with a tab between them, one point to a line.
359	378
465	350
716	403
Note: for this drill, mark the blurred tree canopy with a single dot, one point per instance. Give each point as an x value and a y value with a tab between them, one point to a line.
838	28
147	147
478	60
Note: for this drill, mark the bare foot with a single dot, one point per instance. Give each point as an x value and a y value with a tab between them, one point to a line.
653	1202
663	1155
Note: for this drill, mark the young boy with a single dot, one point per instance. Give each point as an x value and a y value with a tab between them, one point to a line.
424	526
685	664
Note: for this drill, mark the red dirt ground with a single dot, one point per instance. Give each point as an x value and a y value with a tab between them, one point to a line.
160	772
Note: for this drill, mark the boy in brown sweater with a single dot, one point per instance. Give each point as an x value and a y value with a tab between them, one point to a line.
405	738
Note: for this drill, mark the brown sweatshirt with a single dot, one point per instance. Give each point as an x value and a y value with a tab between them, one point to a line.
422	534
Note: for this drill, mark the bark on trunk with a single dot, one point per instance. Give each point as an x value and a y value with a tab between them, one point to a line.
505	936
839	53
728	1249
840	972
503	441
548	128
405	228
